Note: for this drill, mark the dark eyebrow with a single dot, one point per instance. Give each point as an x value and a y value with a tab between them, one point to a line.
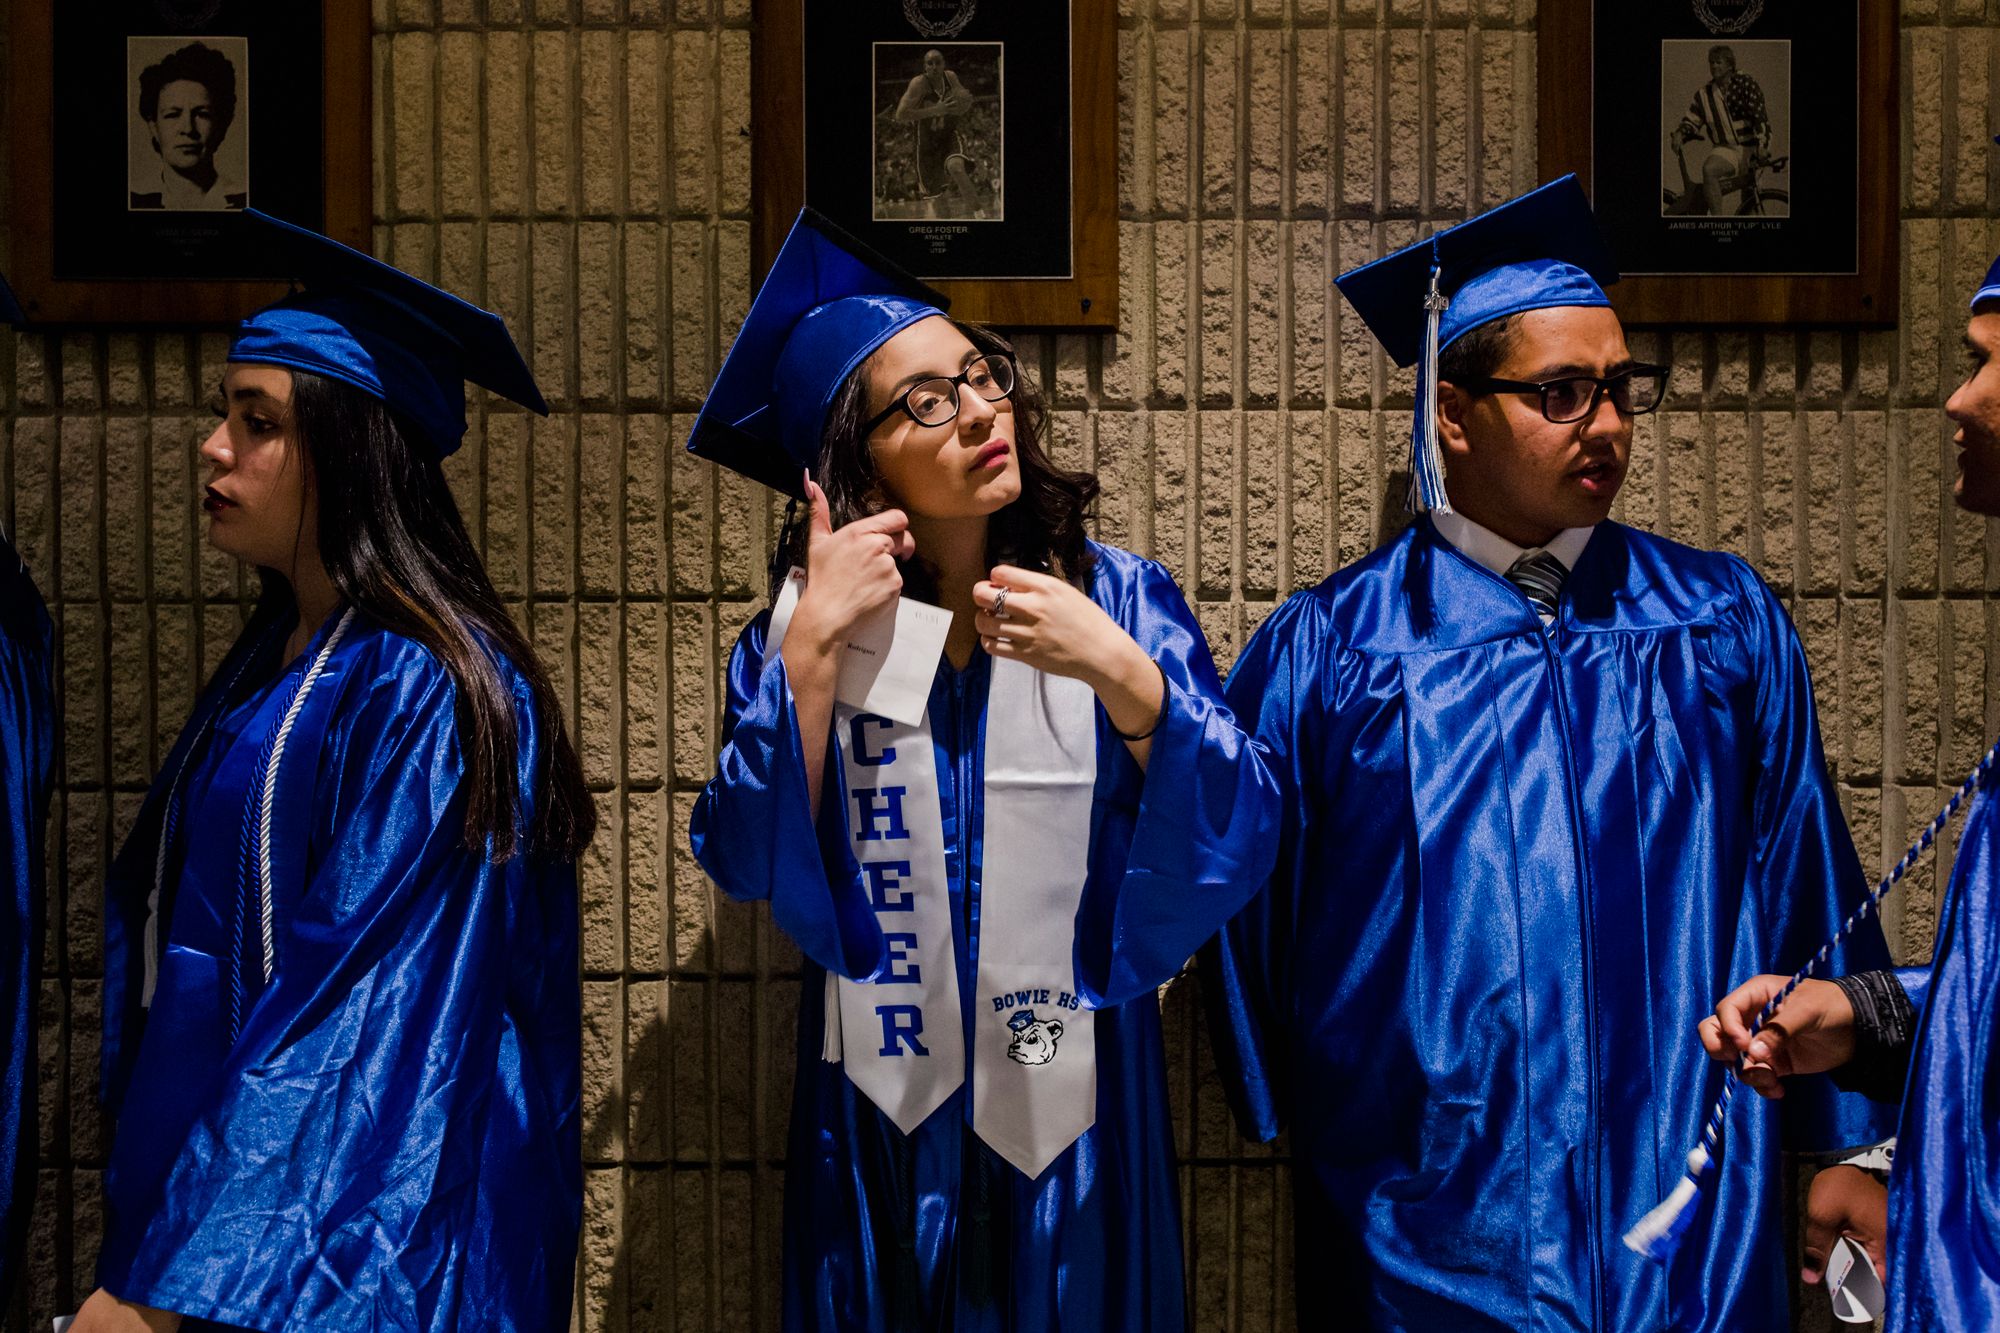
918	377
1570	369
247	395
1973	347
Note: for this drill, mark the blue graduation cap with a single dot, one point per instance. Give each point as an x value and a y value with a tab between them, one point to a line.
10	309
1536	252
827	303
376	328
1989	290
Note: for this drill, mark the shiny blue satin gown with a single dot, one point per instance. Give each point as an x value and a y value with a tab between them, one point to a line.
1944	1195
1515	871
892	1234
386	1135
27	761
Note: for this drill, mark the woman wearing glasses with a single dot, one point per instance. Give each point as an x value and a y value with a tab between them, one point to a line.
990	884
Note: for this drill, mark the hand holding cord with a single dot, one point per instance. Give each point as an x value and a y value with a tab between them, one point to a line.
1657	1235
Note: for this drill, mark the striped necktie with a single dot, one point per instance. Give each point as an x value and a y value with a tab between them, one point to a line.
1539	576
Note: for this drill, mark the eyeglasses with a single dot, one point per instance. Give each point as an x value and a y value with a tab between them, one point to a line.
1634	391
934	402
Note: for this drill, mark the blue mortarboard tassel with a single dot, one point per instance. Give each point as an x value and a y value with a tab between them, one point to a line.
1658	1234
1427	458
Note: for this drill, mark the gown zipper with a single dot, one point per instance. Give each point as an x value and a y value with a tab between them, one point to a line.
1589	954
1546	634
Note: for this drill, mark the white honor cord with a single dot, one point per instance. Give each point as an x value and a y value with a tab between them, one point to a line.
271	790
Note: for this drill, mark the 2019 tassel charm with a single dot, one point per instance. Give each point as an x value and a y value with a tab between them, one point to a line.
1657	1235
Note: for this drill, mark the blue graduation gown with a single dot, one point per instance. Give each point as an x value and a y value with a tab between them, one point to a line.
891	1234
1944	1195
1515	870
27	760
386	1136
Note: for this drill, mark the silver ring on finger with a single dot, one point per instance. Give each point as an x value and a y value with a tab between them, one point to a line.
1000	604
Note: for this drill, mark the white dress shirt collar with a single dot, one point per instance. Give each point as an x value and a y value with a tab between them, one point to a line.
1498	554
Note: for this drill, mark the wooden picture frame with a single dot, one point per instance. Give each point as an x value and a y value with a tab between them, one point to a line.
1807	231
1001	236
108	228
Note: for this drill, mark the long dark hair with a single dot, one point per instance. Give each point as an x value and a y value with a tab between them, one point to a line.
396	549
1043	529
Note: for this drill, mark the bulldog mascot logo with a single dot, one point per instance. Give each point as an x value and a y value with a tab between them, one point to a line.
1034	1041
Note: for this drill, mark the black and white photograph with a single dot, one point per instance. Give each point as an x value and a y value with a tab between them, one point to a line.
187	138
1685	131
168	120
909	138
1726	128
940	116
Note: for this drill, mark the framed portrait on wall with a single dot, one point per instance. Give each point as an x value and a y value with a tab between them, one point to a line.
971	141
143	128
1741	154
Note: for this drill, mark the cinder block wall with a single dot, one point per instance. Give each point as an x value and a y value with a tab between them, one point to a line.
583	166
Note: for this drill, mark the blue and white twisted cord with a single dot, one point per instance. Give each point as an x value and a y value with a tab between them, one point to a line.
1658	1233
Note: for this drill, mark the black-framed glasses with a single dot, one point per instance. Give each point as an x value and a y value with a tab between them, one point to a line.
934	402
1634	391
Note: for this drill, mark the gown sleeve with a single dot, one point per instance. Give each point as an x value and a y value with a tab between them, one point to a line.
27	752
1246	970
753	829
1916	984
1201	841
384	1121
1806	875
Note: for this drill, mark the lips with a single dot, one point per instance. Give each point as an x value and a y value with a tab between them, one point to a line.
214	501
1599	477
992	455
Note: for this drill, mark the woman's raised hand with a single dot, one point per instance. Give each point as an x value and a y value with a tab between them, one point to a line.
1055	627
850	573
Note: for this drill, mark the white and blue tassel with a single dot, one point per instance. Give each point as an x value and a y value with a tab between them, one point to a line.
1427	462
1659	1232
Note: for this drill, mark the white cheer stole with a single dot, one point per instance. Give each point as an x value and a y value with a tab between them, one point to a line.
1034	1053
900	1037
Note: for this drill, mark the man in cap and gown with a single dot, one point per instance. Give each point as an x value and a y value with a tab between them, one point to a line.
27	761
1554	784
1017	1171
342	1048
1927	1036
